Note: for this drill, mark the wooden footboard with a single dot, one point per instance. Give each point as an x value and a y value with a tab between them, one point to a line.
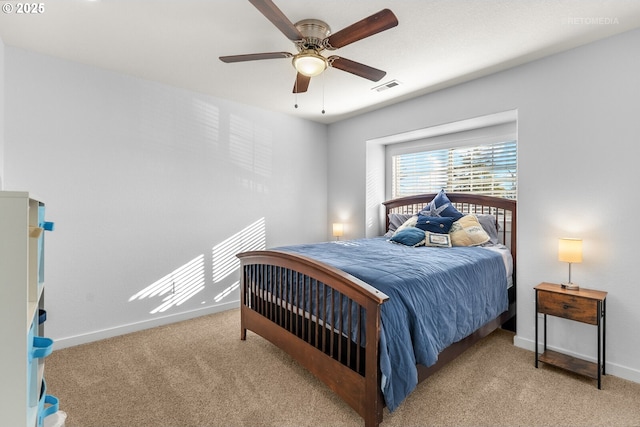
311	310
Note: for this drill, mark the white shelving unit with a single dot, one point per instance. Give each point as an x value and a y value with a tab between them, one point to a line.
21	299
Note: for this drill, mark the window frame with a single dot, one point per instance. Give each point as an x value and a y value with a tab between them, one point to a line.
485	135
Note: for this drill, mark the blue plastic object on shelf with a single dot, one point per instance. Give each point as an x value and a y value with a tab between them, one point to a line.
48	404
47	226
42	347
32	371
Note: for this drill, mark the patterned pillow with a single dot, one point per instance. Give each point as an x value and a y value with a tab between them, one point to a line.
409	236
434	224
441	206
467	231
438	240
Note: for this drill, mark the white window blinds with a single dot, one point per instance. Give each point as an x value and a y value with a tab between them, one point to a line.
480	161
488	168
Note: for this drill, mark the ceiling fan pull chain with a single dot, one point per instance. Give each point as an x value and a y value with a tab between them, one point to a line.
323	74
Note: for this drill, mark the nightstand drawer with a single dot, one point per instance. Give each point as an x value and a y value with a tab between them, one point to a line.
568	306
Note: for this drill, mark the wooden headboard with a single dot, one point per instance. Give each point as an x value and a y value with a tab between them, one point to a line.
503	209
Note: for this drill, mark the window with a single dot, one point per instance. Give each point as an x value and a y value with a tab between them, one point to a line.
476	155
488	168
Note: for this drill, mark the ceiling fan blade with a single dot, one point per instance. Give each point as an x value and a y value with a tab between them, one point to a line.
356	68
301	84
366	27
277	18
255	56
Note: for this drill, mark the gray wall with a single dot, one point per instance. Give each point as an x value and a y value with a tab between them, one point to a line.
577	125
153	190
1	114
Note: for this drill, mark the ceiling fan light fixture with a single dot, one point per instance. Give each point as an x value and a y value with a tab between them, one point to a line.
309	63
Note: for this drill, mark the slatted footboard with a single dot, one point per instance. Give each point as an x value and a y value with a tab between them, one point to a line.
326	319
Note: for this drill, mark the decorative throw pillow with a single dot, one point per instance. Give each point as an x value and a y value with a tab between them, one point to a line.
441	206
396	220
467	231
488	223
411	222
437	239
409	236
434	224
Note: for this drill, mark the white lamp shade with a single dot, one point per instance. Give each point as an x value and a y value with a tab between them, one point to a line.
309	64
570	250
338	229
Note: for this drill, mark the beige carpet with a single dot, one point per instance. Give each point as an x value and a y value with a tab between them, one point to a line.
199	373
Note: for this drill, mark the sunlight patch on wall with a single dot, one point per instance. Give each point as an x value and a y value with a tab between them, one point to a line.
251	148
262	152
207	118
167	121
188	280
251	238
176	287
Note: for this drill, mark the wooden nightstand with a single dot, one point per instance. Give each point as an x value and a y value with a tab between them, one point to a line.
583	305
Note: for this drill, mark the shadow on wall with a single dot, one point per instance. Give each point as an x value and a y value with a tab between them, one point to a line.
186	281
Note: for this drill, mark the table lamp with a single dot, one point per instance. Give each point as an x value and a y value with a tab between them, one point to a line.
338	230
570	250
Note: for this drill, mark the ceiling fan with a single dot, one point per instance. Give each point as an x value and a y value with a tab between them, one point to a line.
312	36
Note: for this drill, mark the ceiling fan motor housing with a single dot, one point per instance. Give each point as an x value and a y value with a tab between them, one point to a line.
314	32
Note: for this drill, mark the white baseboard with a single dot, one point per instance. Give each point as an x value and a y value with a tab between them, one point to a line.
610	368
72	341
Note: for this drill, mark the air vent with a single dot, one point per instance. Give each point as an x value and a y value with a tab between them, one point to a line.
387	85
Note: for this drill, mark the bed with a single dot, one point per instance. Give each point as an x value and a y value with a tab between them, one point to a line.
340	308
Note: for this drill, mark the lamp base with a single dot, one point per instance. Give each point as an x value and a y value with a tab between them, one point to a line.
570	286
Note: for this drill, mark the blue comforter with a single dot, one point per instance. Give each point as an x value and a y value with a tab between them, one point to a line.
437	296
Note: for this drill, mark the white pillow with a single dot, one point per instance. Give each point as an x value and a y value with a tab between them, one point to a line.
438	240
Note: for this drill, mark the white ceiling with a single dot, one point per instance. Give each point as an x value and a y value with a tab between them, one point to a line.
437	43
